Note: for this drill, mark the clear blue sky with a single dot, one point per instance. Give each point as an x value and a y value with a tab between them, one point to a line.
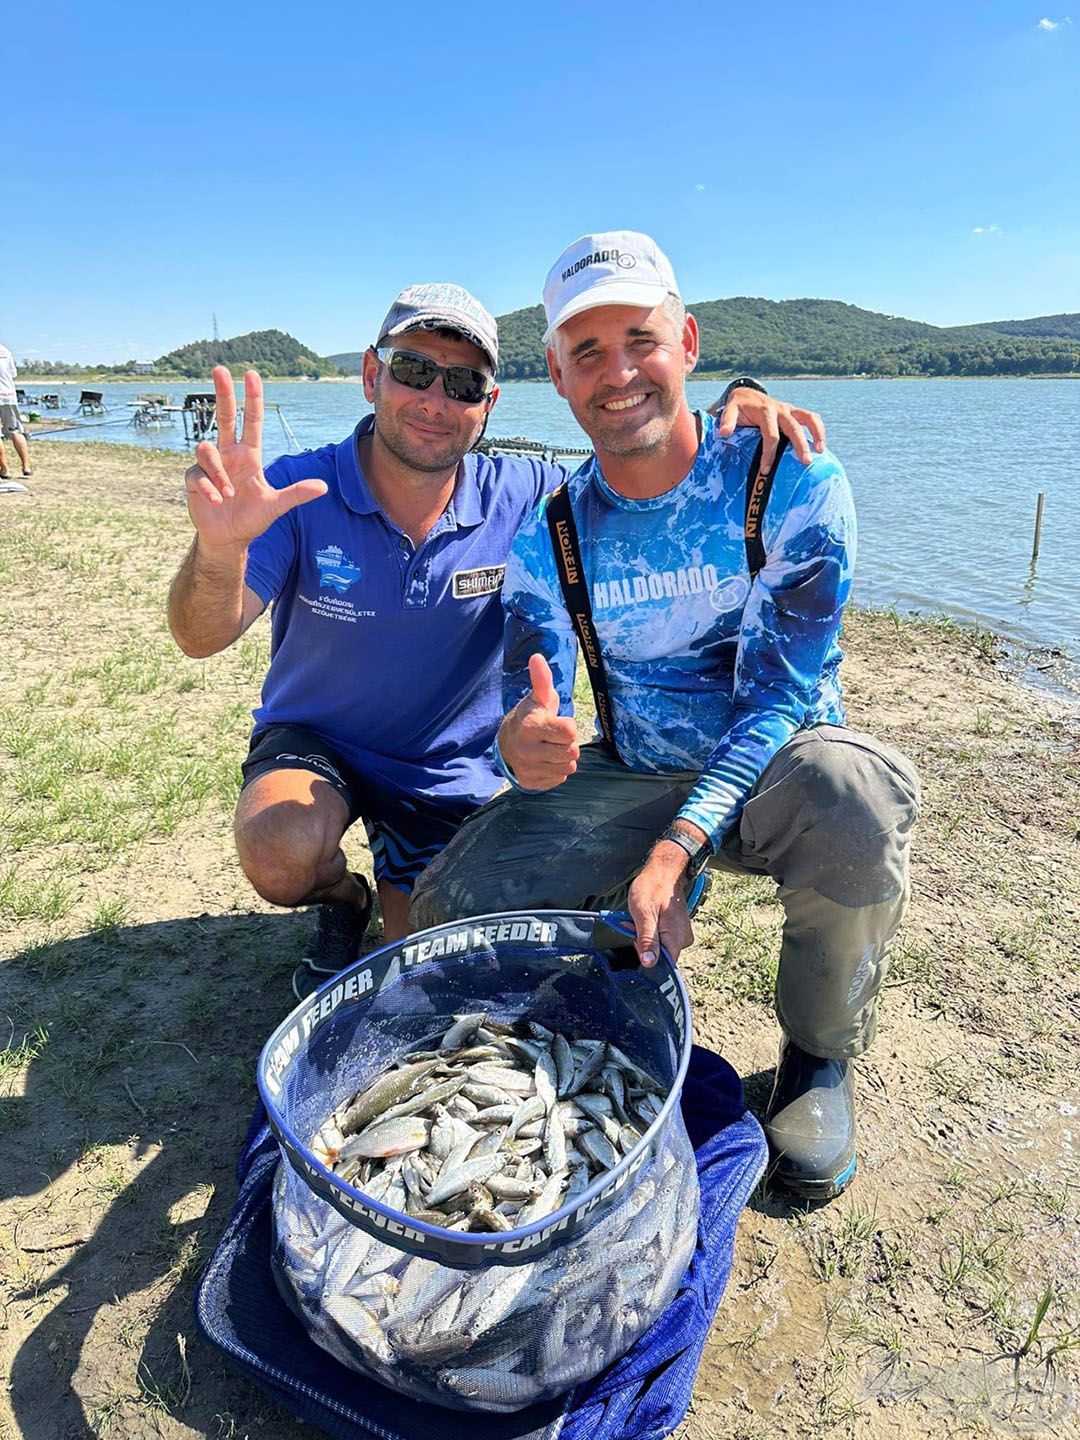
295	165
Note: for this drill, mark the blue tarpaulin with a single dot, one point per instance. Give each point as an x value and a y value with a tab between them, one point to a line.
643	1396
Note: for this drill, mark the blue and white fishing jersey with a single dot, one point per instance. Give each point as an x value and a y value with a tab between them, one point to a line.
708	672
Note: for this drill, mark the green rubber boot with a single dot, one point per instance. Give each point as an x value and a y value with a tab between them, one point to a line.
810	1123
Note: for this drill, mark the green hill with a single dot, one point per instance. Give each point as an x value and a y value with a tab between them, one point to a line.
740	335
348	362
1066	327
271	352
828	337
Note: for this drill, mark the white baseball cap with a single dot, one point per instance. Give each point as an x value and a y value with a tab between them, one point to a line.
619	267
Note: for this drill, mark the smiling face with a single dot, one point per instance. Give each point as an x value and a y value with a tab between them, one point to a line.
425	429
622	370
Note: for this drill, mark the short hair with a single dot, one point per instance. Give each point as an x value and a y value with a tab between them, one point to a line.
675	310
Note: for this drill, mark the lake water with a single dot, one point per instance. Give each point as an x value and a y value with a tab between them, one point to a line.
945	474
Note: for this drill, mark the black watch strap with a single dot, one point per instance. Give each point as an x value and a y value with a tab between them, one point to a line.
699	851
736	384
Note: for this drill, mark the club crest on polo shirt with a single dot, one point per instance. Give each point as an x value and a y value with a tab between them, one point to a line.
486	580
336	571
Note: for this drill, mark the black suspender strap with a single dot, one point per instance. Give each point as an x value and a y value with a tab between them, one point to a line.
564	542
758	488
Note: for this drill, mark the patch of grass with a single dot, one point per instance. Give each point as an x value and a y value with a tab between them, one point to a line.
835	1403
1057	1203
254	653
14	1059
100	1047
1026	943
739	929
105	793
50	962
742	1343
1048	1347
908	628
896	1258
841	1252
112	1185
184	1253
133	671
972	1262
951	1079
892	1340
956	1261
104	1416
131	1331
165	1397
47	899
110	915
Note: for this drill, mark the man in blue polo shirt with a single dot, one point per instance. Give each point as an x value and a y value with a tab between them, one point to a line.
383	557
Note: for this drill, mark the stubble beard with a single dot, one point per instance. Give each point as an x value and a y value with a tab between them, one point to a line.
414	454
652	436
423	460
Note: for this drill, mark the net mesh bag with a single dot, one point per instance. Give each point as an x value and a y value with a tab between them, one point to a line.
482	1320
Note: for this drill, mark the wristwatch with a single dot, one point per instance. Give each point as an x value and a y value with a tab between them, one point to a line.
736	384
700	852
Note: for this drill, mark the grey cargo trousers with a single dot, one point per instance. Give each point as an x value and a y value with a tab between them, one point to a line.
829	819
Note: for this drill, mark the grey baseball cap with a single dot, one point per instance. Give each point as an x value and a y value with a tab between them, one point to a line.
437	307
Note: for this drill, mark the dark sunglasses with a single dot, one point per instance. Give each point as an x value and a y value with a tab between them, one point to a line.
461	382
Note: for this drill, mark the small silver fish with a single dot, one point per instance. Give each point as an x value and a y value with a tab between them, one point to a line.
389	1137
462	1030
387	1090
458	1180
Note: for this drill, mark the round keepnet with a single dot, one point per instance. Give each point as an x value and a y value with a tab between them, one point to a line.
482	1320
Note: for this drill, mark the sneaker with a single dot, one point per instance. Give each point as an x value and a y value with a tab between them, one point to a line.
810	1122
339	931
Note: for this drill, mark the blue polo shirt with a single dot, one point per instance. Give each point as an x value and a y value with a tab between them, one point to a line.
393	652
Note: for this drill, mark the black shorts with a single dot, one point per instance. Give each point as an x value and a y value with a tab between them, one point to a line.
405	832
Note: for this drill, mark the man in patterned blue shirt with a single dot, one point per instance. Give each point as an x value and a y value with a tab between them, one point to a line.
728	746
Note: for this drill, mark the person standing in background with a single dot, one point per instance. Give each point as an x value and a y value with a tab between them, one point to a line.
10	419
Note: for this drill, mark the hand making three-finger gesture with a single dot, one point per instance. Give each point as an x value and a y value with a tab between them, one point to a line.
229	499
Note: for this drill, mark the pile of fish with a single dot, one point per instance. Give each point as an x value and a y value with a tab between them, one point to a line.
491	1130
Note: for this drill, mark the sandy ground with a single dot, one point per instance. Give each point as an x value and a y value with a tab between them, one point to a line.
940	1296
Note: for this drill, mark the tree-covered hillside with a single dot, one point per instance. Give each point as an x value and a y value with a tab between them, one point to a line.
521	349
741	335
348	362
271	352
827	337
1054	326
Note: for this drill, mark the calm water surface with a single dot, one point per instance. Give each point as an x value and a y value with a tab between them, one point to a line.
945	474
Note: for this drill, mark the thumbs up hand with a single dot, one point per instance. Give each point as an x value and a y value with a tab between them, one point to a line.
539	745
543	685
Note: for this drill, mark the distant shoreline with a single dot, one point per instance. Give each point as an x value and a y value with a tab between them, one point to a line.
148	382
